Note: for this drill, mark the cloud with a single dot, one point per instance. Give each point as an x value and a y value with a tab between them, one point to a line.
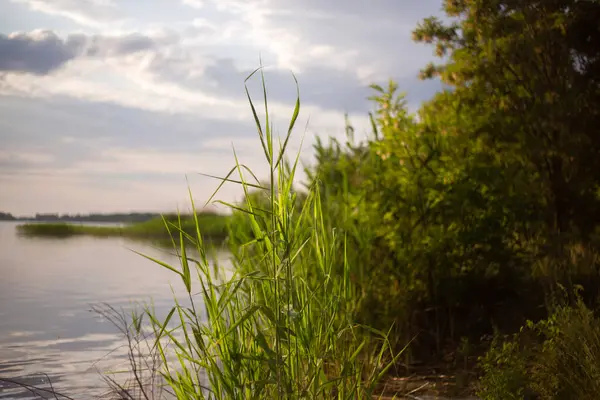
194	3
93	13
41	52
332	55
367	40
72	130
116	179
319	85
36	52
17	161
114	117
70	138
103	155
150	93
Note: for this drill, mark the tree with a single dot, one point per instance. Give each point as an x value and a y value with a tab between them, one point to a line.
531	71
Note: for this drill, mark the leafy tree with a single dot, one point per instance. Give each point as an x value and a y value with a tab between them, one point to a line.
530	70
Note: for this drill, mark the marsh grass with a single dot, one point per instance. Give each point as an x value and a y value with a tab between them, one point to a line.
214	228
282	325
141	379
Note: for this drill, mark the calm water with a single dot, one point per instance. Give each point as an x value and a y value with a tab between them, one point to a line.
47	288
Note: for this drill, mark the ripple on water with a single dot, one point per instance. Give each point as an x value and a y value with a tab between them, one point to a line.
47	288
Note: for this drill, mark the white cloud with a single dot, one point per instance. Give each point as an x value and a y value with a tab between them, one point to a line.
92	13
194	3
146	88
90	80
116	160
367	39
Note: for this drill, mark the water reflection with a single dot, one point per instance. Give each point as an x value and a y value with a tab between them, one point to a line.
47	287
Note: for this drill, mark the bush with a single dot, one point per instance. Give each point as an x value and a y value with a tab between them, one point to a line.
505	370
569	364
557	358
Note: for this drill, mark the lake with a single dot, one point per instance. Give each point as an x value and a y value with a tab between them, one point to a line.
47	289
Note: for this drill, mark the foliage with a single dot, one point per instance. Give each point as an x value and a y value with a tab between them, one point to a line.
555	358
465	216
431	225
528	69
505	370
6	216
280	326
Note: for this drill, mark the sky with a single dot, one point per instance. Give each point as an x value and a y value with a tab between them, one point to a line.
118	105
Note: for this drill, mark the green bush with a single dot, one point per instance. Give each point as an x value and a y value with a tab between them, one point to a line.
557	358
505	370
569	364
434	221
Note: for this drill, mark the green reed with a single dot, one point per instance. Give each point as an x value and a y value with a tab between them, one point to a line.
281	326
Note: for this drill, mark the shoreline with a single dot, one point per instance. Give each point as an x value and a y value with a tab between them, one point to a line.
213	228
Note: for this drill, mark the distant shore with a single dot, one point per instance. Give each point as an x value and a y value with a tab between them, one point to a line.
213	228
124	217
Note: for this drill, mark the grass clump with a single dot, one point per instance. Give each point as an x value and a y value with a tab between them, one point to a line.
49	229
281	326
556	358
214	226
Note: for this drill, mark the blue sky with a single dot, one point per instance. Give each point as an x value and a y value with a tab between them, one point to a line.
107	105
